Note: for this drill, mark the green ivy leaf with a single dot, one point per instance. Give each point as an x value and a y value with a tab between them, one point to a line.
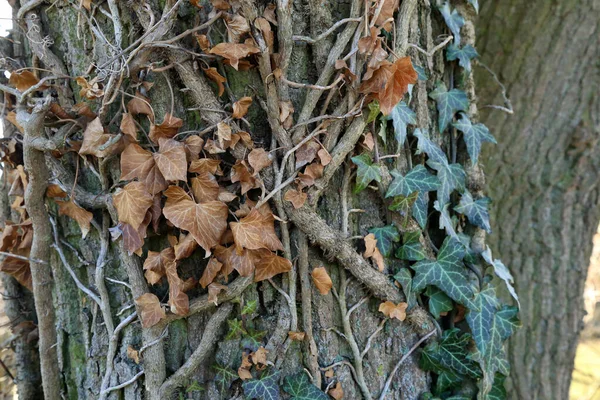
491	326
475	210
386	237
498	391
403	205
404	277
464	55
502	272
448	103
453	19
475	4
402	116
373	111
194	387
474	135
300	388
421	74
224	377
250	307
419	210
447	380
447	273
417	179
438	301
446	221
264	388
367	172
236	329
451	353
253	339
412	249
451	176
427	146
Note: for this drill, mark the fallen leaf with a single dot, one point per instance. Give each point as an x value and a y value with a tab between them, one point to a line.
156	264
243	263
211	271
267	33
193	146
185	247
398	311
171	160
11	117
204	43
135	162
270	14
306	153
240	107
150	310
236	27
259	159
133	354
90	90
128	126
386	13
80	215
286	113
337	392
373	252
213	291
18	269
296	196
95	141
222	5
217	78
297	336
322	280
140	105
259	357
234	52
206	221
167	129
267	265
324	156
23	80
209	165
255	231
246	139
53	190
240	173
132	202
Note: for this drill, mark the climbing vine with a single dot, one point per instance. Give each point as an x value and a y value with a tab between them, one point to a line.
226	196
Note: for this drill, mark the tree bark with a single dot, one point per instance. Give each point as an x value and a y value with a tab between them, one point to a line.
543	175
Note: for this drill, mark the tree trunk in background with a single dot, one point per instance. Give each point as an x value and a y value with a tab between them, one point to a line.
543	176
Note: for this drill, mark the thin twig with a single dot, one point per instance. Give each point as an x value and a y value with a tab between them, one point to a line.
124	384
436	48
3	253
328	32
508	109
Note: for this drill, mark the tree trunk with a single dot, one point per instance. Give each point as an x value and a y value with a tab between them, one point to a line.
543	175
103	350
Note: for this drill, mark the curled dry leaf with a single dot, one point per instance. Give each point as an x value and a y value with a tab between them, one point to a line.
95	141
171	160
23	80
296	196
240	107
90	90
234	52
133	354
179	302
324	156
267	265
11	117
256	231
337	392
150	310
217	78
286	113
132	202
398	311
80	215
140	105
259	357
128	126
265	28
322	280
270	14
167	129
241	174
373	252
213	292
185	246
204	43
223	133
206	221
244	369
259	159
211	271
386	14
307	153
296	336
53	191
156	264
237	26
139	163
243	263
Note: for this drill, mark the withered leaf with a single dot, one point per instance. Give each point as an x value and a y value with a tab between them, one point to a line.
179	302
80	215
240	107
286	113
373	252
94	141
211	271
206	221
322	280
156	263
140	105
297	336
135	162
203	42
240	173
128	126
133	354
222	5
193	147
150	310
387	12
337	392
267	264
234	52
132	202
306	153
259	159
23	80
243	263
236	27
324	156
296	196
398	311
53	190
255	231
213	291
217	78
205	187
18	269
171	160
185	247
167	129
209	165
90	90
368	141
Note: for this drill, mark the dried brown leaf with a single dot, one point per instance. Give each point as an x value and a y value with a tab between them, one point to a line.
150	310
256	231
322	280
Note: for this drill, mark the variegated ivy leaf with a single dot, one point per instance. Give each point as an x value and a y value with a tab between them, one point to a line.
447	380
448	103
264	388
419	210
386	237
475	4
453	19
447	273
502	272
427	146
412	249
438	301
402	116
421	74
300	388
403	206
224	377
451	176
366	173
451	353
417	179
464	55
404	278
491	326
446	221
475	210
474	135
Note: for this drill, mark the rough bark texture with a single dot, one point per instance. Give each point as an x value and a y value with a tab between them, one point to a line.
543	175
